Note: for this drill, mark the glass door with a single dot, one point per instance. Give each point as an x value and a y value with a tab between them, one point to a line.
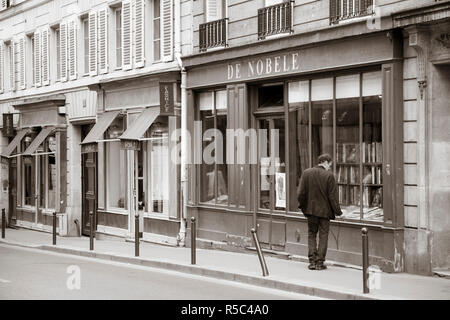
271	180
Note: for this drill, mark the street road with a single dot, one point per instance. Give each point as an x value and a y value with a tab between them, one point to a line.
35	274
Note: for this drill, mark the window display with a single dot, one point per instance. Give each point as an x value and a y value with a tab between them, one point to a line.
346	115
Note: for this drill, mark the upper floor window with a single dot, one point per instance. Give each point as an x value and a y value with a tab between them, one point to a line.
157	30
85	23
213	33
58	53
118	35
348	9
275	18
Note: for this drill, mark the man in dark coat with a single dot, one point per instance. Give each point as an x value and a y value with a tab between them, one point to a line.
318	199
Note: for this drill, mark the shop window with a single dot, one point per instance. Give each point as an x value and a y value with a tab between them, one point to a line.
346	122
213	170
47	173
158	164
116	166
28	172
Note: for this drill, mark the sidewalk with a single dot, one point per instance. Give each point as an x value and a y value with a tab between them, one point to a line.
294	276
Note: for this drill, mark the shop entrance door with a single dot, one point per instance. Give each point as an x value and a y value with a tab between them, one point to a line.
271	189
12	187
89	186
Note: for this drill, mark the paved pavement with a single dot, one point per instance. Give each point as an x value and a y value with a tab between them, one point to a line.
42	275
292	276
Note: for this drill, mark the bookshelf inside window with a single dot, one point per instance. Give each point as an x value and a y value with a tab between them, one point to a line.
359	158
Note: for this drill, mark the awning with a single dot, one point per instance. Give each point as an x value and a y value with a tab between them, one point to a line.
10	148
137	130
38	141
104	121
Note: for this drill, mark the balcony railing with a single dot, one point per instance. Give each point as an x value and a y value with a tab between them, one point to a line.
348	9
275	19
213	34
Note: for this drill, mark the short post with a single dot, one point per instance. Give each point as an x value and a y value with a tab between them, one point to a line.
365	257
136	235
54	228
260	254
193	240
3	223
91	230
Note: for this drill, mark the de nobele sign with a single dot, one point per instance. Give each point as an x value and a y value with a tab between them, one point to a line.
264	67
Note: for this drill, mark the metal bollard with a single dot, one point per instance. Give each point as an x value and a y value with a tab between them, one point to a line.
136	235
91	230
193	240
260	254
3	223
365	257
54	228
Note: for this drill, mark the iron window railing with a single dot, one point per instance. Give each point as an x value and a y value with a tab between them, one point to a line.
348	9
213	34
275	19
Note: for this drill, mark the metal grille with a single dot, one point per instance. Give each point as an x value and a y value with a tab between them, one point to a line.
348	9
275	19
213	34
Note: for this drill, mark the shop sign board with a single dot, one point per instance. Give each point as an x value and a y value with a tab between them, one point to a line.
8	125
166	98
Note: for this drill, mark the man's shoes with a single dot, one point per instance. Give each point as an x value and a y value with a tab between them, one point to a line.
312	266
320	266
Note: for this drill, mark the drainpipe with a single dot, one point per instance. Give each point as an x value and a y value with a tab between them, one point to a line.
177	25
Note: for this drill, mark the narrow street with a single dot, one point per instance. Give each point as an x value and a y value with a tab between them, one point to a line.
33	274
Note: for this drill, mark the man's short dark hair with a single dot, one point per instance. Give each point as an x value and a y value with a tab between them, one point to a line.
324	157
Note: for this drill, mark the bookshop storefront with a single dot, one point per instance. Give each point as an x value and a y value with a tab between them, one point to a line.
127	170
290	106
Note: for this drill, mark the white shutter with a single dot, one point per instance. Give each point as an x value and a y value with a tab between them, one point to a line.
72	49
103	40
63	49
139	27
213	10
167	29
12	66
22	65
2	66
93	43
37	59
45	50
126	35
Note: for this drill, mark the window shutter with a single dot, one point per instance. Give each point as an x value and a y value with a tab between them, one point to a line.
37	59
167	30
72	49
213	10
93	44
45	43
103	40
139	41
22	56
12	66
126	35
63	48
2	66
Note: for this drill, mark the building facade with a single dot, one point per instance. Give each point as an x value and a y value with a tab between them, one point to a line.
90	93
364	81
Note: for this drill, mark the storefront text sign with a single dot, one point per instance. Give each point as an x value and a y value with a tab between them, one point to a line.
166	98
265	66
8	125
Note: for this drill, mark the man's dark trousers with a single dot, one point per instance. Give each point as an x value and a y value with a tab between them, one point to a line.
321	226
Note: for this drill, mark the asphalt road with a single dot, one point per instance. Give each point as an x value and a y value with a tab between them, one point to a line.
39	275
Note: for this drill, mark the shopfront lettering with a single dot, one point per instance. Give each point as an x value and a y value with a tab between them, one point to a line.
264	67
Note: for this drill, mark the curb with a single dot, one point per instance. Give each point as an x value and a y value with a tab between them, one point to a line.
306	289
